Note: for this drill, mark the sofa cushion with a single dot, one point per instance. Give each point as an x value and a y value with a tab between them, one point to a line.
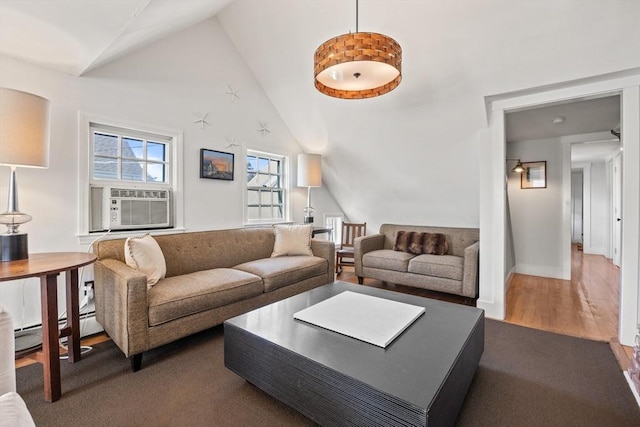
421	243
292	240
180	296
285	270
386	259
445	266
144	254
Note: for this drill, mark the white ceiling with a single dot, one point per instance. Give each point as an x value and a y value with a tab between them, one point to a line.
579	117
76	36
592	118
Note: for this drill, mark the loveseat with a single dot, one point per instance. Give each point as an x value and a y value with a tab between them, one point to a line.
210	276
442	259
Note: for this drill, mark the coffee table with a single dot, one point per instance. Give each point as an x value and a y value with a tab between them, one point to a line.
420	379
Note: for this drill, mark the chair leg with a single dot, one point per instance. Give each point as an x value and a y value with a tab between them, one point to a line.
136	362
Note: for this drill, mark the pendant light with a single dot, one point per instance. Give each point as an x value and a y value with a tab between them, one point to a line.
358	65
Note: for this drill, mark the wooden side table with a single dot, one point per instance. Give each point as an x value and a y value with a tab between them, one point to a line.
47	266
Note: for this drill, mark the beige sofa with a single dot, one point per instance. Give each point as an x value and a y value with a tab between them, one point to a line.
455	272
211	276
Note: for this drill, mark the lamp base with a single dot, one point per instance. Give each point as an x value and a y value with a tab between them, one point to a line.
308	220
13	247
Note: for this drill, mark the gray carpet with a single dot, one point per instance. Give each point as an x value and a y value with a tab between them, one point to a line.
525	378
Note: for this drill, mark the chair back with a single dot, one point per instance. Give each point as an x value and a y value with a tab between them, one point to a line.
350	231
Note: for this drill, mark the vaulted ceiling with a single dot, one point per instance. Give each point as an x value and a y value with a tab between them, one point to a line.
454	55
76	36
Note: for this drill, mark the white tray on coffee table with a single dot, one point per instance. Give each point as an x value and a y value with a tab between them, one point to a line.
375	320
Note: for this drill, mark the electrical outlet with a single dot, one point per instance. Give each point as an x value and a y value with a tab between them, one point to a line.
87	289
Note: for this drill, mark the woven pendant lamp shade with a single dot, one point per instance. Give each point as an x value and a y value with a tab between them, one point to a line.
358	65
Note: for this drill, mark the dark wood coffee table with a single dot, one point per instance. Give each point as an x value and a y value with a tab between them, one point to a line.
420	379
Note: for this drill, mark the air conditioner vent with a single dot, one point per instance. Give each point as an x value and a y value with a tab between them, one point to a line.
129	208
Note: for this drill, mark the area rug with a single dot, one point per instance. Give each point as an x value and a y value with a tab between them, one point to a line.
526	377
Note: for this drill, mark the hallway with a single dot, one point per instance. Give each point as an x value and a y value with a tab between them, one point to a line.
587	306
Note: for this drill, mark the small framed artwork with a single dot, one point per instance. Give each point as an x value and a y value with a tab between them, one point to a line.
216	164
534	175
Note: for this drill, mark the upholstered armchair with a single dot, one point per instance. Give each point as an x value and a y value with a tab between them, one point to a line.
13	410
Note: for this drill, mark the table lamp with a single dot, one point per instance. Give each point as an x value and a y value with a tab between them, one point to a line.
24	142
309	175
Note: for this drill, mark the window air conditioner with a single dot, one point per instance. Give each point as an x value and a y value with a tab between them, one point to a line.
129	208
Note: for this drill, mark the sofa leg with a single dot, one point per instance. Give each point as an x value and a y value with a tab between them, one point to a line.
136	362
360	280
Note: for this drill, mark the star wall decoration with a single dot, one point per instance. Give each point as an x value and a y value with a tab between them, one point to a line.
231	141
233	93
263	128
202	119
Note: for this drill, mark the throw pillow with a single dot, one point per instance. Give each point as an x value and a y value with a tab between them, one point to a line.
292	240
435	244
144	254
421	243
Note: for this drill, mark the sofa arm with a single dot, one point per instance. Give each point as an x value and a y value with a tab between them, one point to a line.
122	305
326	249
364	244
470	275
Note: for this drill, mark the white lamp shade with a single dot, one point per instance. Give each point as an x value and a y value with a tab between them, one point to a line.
24	129
309	170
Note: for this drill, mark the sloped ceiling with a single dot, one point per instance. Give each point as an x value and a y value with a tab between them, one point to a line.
419	142
74	36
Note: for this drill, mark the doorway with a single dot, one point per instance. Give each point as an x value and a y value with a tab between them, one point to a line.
493	271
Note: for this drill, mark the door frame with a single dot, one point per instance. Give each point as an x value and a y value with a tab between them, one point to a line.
493	274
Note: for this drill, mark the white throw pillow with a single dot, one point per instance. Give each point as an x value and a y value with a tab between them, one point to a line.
292	240
144	254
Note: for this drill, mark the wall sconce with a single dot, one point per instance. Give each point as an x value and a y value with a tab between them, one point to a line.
309	175
518	168
24	142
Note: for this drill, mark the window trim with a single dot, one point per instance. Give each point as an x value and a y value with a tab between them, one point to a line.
121	134
85	169
286	186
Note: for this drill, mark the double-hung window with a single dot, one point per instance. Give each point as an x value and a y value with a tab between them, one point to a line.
129	156
134	177
267	189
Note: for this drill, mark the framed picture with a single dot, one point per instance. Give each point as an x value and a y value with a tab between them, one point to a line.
216	164
534	175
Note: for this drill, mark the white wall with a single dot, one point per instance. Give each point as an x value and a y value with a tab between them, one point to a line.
412	155
160	86
599	207
536	214
576	207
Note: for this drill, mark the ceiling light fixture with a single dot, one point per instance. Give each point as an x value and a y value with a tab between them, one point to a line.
358	65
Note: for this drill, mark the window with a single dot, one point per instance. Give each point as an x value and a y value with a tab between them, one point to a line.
129	156
267	195
334	222
133	169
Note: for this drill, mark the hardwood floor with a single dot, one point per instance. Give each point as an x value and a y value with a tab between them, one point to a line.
585	306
